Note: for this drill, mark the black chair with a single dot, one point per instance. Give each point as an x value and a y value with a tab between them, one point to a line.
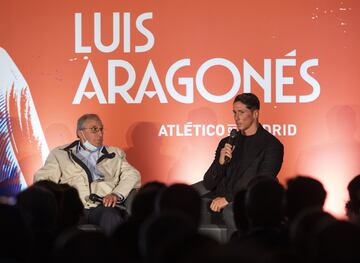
211	225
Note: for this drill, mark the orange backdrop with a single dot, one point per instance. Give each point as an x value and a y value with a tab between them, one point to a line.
40	38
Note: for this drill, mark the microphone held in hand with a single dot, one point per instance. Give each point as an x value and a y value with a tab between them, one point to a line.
231	141
97	199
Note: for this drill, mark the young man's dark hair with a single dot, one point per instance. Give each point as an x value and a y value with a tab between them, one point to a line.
250	100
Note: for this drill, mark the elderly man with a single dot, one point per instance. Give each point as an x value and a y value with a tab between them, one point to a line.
93	168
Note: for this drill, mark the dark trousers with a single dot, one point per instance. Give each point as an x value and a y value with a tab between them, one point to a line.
108	218
224	217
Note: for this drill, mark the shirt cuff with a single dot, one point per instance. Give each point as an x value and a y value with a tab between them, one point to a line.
120	196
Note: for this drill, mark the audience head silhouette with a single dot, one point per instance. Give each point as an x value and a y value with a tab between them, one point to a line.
353	205
181	198
304	192
264	202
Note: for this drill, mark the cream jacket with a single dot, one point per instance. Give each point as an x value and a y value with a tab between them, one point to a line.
62	166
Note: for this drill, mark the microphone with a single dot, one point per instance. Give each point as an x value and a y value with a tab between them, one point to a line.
97	199
231	140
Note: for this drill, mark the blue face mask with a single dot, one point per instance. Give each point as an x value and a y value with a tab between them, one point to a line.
90	147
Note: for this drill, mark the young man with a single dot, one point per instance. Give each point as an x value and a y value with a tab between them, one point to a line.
255	152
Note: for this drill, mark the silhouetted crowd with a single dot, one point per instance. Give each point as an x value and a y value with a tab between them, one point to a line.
275	223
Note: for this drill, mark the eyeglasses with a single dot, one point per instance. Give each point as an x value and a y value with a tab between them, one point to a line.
95	129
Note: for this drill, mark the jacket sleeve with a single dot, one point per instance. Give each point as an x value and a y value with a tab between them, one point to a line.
268	164
273	159
50	171
129	177
216	171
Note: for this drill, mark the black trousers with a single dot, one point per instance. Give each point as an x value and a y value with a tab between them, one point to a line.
224	217
108	218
